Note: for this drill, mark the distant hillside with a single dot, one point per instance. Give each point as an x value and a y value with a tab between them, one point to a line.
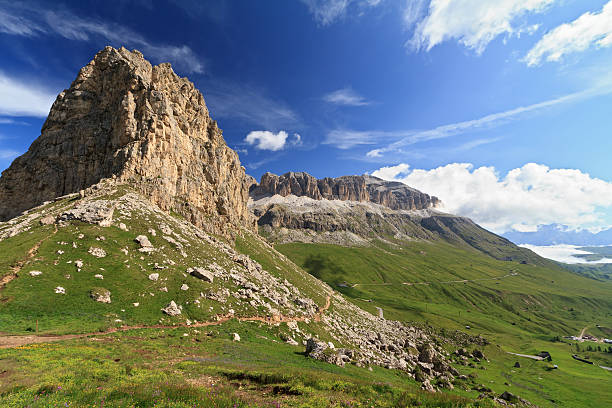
555	234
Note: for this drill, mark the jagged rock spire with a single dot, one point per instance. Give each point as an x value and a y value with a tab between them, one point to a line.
142	124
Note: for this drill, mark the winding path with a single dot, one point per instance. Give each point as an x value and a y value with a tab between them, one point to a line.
10	341
440	282
15	269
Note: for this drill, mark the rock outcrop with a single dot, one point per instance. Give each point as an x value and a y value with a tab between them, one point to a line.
142	124
391	194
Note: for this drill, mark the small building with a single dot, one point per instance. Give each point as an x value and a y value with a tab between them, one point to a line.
545	355
609	341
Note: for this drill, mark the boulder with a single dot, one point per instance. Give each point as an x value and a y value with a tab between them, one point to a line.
47	220
35	273
201	273
235	337
154	276
100	295
172	309
60	290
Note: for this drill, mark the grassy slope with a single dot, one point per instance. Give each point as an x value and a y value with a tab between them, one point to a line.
147	367
520	313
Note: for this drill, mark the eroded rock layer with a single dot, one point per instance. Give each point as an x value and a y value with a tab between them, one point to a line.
143	124
393	195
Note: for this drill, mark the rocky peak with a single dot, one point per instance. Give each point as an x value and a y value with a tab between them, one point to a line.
394	195
138	123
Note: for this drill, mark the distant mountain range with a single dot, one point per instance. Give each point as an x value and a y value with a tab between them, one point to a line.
556	234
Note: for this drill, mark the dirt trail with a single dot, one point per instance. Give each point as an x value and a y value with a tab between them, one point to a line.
527	356
15	269
8	341
440	282
581	335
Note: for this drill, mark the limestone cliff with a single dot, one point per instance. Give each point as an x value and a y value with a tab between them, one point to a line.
142	124
393	195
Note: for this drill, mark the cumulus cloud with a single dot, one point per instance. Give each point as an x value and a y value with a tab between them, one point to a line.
23	20
590	29
20	98
474	23
266	140
345	96
523	198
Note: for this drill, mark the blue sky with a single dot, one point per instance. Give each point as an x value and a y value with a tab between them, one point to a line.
511	99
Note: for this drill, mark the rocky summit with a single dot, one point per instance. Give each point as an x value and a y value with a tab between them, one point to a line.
142	124
391	194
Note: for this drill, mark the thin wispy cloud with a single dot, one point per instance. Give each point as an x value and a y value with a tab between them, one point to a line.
8	154
346	97
346	138
326	12
588	30
249	104
28	21
22	98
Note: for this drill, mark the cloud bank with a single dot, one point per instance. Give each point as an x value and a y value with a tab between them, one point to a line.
522	199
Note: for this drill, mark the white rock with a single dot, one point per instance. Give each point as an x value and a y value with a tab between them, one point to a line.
35	273
98	276
172	309
136	304
123	227
164	289
60	290
144	242
78	263
154	276
97	252
235	337
184	287
60	252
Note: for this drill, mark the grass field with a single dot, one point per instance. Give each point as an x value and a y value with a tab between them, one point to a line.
522	308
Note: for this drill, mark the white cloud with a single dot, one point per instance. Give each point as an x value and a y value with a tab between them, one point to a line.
25	21
266	140
345	96
19	98
325	12
523	198
474	23
590	29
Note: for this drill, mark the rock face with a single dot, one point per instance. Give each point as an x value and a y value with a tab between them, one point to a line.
141	124
393	195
